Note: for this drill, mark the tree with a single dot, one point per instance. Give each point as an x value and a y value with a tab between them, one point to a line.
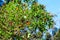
17	15
57	36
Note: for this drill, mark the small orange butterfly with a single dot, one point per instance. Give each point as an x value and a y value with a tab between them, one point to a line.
28	23
11	23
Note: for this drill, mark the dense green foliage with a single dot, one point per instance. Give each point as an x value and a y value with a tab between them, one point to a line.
15	16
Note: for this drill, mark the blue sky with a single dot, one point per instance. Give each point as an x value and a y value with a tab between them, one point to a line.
53	6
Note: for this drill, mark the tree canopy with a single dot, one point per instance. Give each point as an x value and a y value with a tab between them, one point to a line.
24	21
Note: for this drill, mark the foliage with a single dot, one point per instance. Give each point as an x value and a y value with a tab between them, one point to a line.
15	17
57	36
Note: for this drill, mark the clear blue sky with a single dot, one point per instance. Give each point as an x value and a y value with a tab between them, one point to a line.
52	6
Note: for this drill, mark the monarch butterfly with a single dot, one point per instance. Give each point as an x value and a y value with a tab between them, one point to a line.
28	23
10	23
